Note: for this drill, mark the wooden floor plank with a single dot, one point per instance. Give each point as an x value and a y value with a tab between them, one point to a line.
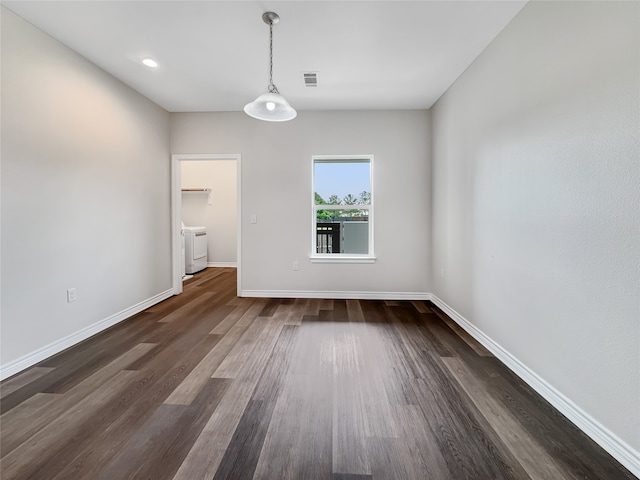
243	347
270	307
15	430
191	386
472	342
349	439
23	378
125	415
421	306
579	455
208	385
104	417
350	476
325	304
298	443
413	328
340	312
386	454
354	311
312	306
531	455
230	320
190	308
85	365
211	445
27	461
419	450
122	417
160	445
241	457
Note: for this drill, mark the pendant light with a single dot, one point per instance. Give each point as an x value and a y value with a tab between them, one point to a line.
270	106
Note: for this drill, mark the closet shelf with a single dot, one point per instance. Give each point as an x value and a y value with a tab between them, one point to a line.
200	190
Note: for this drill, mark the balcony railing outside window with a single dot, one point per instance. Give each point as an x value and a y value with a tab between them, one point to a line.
328	238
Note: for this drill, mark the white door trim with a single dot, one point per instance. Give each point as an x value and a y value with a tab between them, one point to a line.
176	209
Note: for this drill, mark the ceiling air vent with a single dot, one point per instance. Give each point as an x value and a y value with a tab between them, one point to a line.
310	79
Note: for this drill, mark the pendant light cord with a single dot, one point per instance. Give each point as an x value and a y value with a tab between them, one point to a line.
272	88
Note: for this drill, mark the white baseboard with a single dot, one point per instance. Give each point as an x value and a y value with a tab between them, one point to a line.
223	264
47	351
336	295
600	434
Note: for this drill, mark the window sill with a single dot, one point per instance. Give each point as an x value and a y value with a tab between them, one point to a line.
341	259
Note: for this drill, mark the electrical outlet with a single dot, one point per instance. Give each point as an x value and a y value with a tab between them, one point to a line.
296	266
72	295
254	219
441	272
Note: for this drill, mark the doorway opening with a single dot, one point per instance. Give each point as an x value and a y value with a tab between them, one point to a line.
202	198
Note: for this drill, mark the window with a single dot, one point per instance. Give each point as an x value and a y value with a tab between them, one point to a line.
342	226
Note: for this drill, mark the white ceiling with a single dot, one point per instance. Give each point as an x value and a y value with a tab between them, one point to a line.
213	55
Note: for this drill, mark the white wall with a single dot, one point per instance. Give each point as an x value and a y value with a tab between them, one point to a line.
220	217
85	194
276	186
536	175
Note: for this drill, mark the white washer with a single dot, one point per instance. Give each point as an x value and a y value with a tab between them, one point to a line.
195	249
183	272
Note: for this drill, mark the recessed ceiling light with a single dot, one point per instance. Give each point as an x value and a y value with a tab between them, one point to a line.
150	62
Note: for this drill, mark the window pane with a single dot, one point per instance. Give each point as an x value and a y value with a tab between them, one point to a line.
342	182
342	231
356	215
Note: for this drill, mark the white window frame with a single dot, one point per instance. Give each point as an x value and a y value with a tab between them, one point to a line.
341	257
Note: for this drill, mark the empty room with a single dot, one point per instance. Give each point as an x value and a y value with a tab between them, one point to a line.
340	240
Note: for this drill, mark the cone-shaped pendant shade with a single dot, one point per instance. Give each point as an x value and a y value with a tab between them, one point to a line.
270	107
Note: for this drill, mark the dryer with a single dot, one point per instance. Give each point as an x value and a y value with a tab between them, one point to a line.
195	249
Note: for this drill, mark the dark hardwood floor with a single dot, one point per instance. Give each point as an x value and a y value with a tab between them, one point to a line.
207	385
